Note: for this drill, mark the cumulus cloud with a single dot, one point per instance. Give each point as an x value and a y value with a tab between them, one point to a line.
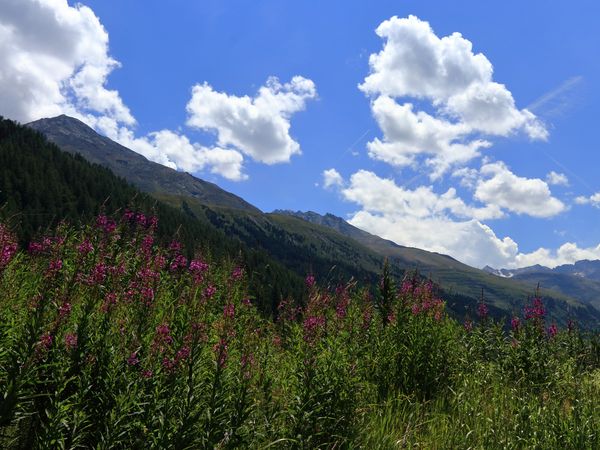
468	241
421	218
176	151
557	179
257	126
502	188
384	196
332	178
593	200
568	253
54	59
446	224
407	134
458	83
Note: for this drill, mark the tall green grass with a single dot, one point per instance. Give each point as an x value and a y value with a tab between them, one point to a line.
109	340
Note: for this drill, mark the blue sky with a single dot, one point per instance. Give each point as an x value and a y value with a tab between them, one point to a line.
481	144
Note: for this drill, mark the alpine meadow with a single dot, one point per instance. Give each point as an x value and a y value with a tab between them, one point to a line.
299	225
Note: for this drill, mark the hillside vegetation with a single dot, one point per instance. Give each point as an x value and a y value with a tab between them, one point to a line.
110	340
325	245
42	186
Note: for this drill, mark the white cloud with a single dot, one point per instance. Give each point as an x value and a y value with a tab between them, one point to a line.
557	179
407	134
568	253
593	200
415	63
332	178
384	196
468	241
444	223
54	58
257	126
502	188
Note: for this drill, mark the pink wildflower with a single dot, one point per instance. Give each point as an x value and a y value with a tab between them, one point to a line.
237	273
482	310
71	341
64	310
229	311
515	324
85	247
179	262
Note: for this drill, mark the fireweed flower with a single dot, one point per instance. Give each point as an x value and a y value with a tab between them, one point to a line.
237	273
133	359
552	330
71	341
197	268
415	309
106	224
536	310
35	248
140	219
162	339
175	246
147	243
183	354
179	262
482	310
312	326
229	311
310	281
109	301
160	262
515	324
85	247
209	292
54	267
152	222
45	341
64	310
98	274
128	216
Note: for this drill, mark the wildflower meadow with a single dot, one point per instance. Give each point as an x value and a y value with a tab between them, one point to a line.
112	339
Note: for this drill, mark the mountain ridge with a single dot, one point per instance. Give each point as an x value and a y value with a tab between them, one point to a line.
74	136
308	243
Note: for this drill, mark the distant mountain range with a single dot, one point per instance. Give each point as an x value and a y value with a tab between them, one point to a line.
580	280
309	242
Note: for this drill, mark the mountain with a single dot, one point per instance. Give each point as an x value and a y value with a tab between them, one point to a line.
74	136
326	246
41	186
580	280
503	292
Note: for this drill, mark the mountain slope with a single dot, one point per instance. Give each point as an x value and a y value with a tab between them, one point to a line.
41	185
327	246
74	136
507	294
580	280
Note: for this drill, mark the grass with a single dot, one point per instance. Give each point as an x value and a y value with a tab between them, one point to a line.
110	340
